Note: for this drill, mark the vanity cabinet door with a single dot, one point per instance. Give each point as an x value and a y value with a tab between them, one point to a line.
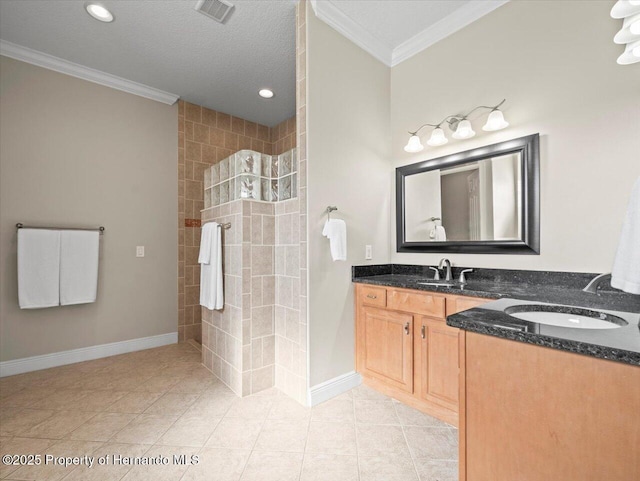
439	363
388	347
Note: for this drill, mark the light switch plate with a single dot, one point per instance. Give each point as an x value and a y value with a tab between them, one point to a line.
139	251
368	254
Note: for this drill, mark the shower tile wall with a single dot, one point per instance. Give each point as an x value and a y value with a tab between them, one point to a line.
205	137
238	342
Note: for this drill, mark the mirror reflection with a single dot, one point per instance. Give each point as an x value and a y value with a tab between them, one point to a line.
474	201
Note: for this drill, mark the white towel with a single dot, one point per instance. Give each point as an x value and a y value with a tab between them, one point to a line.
204	257
626	267
79	252
441	234
336	231
210	260
38	268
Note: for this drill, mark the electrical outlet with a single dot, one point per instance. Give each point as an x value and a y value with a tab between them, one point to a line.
139	251
368	254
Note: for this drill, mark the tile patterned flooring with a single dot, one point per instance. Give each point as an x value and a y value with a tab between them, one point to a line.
162	402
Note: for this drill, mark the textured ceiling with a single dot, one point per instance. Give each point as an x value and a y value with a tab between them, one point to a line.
169	46
396	21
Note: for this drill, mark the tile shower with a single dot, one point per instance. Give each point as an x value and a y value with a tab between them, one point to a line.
259	339
205	137
249	343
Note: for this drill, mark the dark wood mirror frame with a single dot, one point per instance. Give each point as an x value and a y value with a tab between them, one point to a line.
529	242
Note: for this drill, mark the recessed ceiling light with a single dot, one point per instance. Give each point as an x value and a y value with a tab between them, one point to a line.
265	93
99	12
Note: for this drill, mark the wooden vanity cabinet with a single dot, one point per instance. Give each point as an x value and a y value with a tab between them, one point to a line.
532	413
405	349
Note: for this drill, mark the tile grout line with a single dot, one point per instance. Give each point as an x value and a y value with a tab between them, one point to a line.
256	441
406	440
306	441
355	429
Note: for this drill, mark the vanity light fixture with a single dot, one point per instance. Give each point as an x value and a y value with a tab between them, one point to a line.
99	12
265	93
461	127
629	34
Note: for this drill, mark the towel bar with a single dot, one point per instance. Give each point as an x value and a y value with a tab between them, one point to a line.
20	225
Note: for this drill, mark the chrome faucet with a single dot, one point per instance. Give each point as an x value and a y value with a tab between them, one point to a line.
446	262
592	287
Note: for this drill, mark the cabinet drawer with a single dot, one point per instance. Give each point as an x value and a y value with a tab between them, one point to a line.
419	303
372	296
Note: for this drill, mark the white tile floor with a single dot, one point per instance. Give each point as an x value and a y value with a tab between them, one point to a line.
162	402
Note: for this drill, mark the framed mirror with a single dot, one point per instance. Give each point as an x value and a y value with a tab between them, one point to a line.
482	201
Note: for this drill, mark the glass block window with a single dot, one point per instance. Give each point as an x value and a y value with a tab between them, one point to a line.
248	174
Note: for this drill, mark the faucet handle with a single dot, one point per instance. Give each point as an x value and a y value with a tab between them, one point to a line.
436	275
463	279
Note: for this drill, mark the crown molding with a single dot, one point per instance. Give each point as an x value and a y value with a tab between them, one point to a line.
326	11
453	22
50	62
329	13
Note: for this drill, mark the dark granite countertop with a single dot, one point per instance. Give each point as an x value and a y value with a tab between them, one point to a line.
565	288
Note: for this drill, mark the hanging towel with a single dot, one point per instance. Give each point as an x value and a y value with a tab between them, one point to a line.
78	266
336	231
38	268
441	234
626	267
210	260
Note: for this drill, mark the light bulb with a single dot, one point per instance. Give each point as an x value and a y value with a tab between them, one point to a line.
414	144
495	121
265	93
630	31
631	54
437	138
464	130
625	8
99	12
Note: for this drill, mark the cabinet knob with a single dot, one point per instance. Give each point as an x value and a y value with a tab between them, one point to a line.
423	331
372	296
406	328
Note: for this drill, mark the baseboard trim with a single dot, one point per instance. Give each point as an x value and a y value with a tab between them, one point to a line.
333	387
35	363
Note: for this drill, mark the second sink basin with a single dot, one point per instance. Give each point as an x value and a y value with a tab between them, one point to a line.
563	316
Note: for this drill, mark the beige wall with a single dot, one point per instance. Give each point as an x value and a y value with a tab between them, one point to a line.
555	64
76	153
348	166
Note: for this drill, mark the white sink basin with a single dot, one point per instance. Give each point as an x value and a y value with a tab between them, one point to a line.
562	316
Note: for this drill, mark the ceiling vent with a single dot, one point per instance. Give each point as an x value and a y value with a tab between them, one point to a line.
219	10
